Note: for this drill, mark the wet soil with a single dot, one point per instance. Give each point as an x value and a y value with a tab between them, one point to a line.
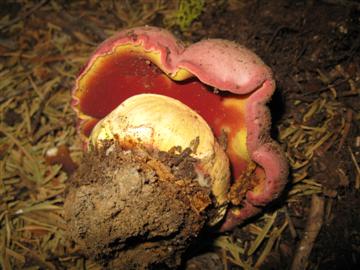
135	209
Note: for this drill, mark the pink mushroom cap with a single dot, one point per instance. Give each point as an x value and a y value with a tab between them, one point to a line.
119	68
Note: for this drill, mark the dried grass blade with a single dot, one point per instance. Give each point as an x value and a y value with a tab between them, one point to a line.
273	237
260	238
311	149
44	206
4	259
17	256
34	228
33	221
235	250
55	169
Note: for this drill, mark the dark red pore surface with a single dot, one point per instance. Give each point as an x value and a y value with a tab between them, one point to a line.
123	75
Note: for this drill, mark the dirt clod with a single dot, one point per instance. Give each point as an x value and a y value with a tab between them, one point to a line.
132	210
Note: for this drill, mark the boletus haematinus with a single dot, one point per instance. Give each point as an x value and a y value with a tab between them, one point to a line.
176	139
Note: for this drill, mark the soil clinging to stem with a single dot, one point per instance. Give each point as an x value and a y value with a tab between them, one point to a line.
135	208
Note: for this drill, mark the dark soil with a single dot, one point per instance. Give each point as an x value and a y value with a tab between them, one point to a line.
133	209
297	39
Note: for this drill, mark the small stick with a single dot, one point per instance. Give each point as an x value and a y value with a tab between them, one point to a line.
313	225
357	167
348	119
291	224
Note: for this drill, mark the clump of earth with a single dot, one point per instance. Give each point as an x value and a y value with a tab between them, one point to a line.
136	208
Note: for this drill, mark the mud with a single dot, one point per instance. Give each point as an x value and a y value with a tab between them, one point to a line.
135	209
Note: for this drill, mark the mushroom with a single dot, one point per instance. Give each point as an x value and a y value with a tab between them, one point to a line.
146	104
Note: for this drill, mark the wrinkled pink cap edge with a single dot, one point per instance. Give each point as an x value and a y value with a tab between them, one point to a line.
228	67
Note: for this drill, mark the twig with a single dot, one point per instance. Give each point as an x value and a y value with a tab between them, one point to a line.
291	224
313	225
348	119
328	87
357	167
23	16
224	259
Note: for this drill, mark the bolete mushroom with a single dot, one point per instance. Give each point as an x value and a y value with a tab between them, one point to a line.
177	139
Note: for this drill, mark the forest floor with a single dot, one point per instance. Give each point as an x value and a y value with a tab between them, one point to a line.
311	46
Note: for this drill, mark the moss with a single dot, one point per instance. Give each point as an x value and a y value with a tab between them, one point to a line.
186	12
